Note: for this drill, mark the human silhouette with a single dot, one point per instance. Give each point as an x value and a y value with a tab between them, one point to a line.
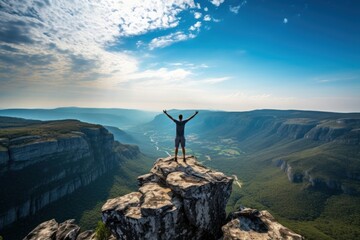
180	129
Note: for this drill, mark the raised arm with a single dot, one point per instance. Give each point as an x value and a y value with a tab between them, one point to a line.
192	116
168	115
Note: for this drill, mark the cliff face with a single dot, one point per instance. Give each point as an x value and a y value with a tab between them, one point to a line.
46	161
345	131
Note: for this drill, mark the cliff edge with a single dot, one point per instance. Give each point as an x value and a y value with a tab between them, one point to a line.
186	201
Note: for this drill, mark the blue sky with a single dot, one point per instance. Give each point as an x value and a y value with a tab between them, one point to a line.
216	54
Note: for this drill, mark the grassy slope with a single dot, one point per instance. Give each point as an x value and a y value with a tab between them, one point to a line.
48	128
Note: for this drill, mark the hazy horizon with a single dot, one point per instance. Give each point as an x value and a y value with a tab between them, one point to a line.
231	55
177	109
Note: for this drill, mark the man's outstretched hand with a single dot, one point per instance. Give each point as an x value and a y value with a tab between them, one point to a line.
164	111
196	112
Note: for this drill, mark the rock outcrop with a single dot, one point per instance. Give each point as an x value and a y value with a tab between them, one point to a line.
249	223
174	201
52	230
46	161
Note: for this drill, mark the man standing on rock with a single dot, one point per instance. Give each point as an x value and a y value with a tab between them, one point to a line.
180	129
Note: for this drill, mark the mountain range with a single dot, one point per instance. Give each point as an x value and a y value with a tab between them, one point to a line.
303	166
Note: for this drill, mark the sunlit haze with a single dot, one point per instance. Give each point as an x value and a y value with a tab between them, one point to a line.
165	54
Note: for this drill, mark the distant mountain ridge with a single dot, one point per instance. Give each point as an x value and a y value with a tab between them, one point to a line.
321	148
105	116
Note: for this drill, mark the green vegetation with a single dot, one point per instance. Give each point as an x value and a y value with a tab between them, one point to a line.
262	138
101	231
49	129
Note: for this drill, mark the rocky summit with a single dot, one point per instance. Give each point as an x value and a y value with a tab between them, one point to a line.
176	200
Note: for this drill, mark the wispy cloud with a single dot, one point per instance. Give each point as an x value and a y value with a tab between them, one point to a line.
207	18
235	9
215	80
167	40
188	65
338	78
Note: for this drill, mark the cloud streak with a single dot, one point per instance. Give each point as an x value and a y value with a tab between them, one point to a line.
164	41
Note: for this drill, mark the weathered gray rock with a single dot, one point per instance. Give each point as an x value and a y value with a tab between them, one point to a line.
87	235
174	201
251	224
45	231
68	230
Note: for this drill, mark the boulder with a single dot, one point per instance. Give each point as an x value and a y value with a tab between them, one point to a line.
45	231
250	223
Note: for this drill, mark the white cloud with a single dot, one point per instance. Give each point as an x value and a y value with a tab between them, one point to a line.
217	2
197	15
196	26
74	63
167	40
285	20
206	9
235	9
207	18
78	35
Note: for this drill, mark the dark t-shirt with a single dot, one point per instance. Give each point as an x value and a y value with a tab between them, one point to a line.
180	127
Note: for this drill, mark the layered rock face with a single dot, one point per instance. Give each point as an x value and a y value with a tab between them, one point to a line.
45	161
249	223
174	201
